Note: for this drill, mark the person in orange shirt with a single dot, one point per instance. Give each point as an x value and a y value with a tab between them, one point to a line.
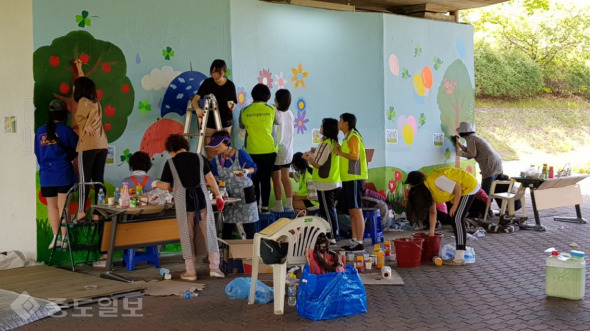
92	145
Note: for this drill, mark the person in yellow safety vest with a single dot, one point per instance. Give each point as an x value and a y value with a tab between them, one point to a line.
353	173
326	175
258	119
440	186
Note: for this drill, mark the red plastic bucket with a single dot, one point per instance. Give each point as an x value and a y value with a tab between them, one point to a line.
431	246
408	252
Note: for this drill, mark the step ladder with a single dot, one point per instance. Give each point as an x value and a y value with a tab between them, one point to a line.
210	106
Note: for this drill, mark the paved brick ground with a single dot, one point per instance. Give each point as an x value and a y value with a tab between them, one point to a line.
504	289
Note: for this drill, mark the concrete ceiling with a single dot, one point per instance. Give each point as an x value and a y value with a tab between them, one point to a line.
403	6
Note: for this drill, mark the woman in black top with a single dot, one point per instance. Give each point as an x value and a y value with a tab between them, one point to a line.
187	173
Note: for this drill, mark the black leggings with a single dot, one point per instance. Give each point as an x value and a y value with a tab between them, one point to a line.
458	223
261	178
228	230
328	212
91	168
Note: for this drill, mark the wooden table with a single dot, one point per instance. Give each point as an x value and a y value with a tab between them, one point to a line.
161	216
554	193
140	226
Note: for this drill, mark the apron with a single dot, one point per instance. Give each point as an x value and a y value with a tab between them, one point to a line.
206	243
246	210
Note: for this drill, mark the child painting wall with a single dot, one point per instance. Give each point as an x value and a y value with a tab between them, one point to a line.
405	79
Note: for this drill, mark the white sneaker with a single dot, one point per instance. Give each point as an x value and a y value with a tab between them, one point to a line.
277	209
216	274
288	209
57	244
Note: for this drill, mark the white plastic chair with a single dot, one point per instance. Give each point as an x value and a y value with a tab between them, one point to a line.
508	198
301	234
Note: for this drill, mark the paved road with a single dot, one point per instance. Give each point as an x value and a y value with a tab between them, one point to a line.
503	290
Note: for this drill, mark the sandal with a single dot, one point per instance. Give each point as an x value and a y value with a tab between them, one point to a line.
185	276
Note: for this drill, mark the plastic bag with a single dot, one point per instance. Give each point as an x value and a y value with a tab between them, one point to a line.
239	288
331	295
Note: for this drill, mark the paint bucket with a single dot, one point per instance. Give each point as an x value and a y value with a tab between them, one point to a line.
431	246
408	251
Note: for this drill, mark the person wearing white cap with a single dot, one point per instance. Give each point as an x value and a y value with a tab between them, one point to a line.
489	161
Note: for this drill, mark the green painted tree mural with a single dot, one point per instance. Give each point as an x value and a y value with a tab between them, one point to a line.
455	99
104	63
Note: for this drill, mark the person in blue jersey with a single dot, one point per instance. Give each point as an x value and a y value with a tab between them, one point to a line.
56	172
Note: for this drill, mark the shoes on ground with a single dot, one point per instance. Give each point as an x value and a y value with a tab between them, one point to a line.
355	247
277	209
332	242
288	209
216	274
264	210
453	262
186	276
99	264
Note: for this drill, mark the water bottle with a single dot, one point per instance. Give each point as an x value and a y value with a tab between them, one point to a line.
125	198
117	195
188	294
100	197
292	293
469	255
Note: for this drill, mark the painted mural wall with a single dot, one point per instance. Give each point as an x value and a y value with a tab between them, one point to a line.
409	81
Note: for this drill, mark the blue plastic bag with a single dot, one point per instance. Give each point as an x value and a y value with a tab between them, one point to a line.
239	288
331	295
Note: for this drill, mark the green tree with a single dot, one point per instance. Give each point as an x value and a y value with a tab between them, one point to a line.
104	63
543	30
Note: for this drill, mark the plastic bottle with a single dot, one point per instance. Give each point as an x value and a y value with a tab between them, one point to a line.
380	260
359	264
189	294
387	247
292	293
138	190
100	197
544	171
117	195
222	189
437	261
125	198
551	172
469	255
566	275
376	249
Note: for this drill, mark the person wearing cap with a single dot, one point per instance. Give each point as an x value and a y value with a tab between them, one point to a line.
440	186
235	166
56	172
489	161
92	145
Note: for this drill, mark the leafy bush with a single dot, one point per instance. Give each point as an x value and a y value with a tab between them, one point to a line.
500	73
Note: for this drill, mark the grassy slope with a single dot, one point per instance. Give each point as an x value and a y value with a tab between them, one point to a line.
552	125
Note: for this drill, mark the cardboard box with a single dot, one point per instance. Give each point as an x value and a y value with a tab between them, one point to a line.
236	257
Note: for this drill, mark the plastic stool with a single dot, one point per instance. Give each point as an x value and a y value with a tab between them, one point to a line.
131	257
373	226
264	220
